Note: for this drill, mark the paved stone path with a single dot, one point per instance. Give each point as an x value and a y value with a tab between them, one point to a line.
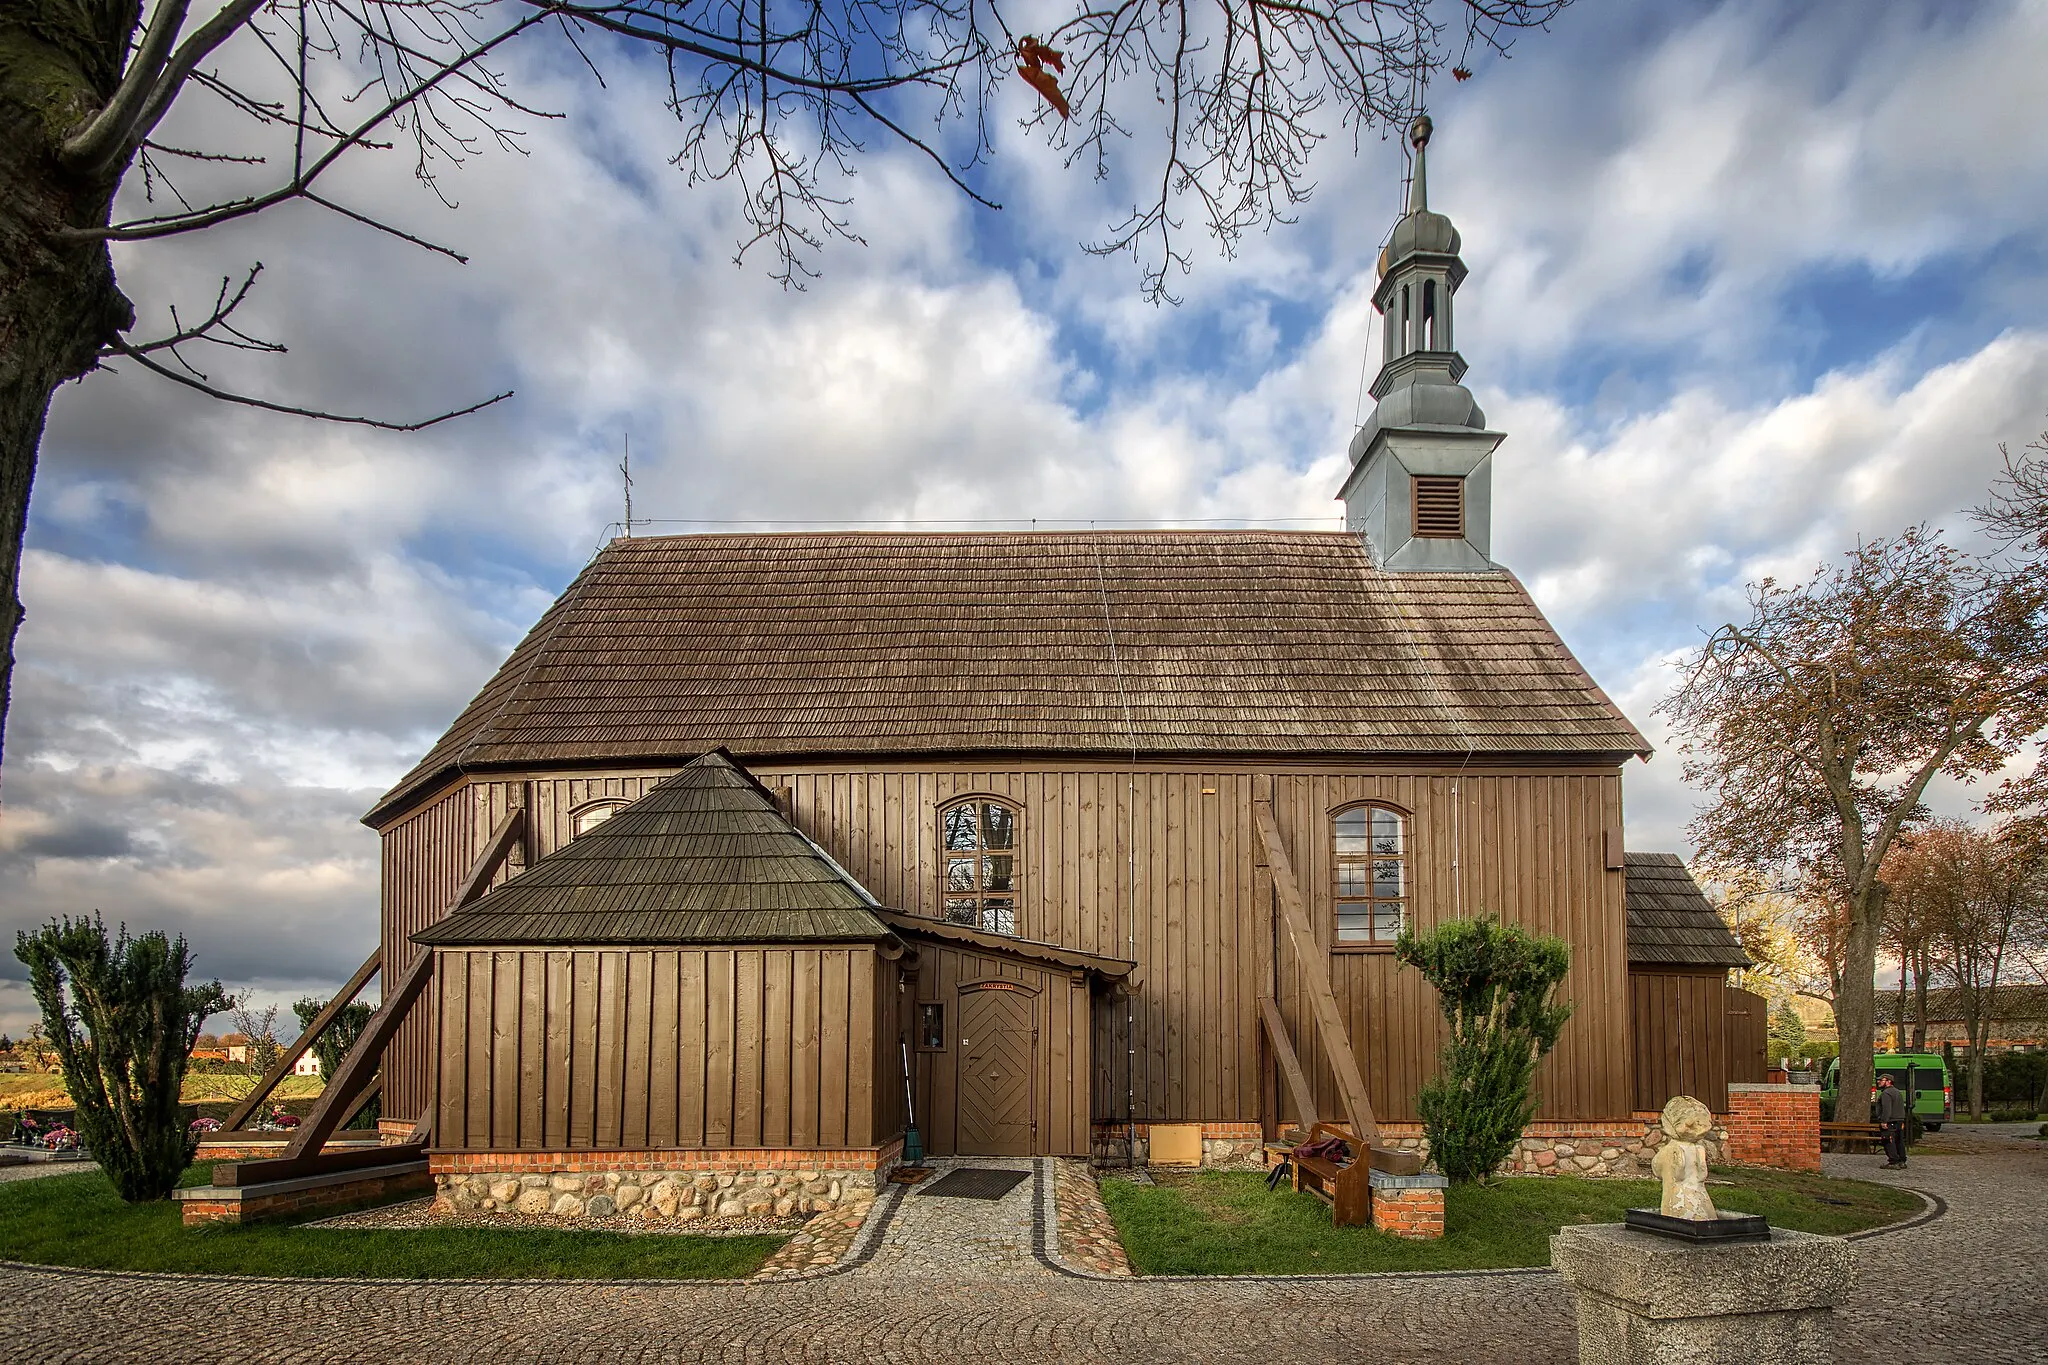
956	1280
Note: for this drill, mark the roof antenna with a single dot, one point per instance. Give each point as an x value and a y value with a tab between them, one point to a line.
626	473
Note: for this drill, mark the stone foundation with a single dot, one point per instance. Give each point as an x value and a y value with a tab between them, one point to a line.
683	1185
1621	1149
1774	1125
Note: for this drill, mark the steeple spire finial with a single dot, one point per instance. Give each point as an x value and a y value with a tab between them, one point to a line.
1418	188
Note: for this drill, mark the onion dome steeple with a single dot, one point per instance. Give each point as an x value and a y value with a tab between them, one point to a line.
1420	490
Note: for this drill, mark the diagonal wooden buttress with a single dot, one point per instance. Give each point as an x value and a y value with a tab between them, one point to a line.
351	1082
1315	975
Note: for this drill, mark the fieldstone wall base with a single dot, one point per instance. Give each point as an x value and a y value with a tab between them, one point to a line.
1619	1149
1647	1300
684	1195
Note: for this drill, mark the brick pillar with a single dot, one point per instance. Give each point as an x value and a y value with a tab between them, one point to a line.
1408	1205
1774	1125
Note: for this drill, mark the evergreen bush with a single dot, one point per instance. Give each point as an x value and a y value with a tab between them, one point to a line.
122	1022
1495	984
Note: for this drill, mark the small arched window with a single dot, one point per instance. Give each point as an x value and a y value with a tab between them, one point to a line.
978	882
589	817
1372	856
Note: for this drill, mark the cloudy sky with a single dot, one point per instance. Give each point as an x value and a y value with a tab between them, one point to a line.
1748	280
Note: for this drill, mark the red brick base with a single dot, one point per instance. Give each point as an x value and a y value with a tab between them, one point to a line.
258	1207
1774	1125
1415	1214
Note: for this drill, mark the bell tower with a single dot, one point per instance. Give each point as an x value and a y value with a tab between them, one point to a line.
1420	492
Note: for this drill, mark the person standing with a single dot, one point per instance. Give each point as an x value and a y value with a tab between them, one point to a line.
1891	1117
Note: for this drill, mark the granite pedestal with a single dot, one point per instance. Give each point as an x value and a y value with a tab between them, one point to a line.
1650	1300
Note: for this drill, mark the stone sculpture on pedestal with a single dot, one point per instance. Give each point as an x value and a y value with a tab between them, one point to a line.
1687	1283
1681	1163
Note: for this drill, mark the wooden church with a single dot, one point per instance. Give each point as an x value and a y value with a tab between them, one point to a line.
1059	836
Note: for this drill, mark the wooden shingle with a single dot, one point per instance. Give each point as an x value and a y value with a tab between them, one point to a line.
703	857
1670	920
1172	643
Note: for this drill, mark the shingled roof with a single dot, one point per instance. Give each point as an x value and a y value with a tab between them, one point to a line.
1175	643
703	857
1670	920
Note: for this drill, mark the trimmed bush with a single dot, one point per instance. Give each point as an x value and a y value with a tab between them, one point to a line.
1494	983
122	1022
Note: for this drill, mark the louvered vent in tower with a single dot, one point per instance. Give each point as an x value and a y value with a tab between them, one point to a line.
1439	507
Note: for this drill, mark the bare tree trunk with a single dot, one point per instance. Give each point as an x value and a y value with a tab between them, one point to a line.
1856	1005
58	300
1920	965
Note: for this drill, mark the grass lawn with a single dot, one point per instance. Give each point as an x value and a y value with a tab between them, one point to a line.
1225	1223
78	1220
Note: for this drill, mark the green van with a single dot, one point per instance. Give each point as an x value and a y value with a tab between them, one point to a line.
1919	1075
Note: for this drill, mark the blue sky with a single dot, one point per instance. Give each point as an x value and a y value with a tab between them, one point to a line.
1748	281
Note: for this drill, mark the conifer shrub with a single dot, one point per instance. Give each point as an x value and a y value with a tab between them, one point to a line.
122	1022
1496	985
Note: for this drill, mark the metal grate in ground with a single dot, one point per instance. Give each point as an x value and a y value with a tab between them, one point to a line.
976	1182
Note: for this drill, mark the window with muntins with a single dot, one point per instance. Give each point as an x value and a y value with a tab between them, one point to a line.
591	816
1371	847
979	880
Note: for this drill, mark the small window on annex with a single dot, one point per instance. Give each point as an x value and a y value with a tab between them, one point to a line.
593	815
931	1028
1372	875
979	881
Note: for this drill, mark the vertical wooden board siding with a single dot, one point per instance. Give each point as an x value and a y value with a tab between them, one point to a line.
583	1052
803	1063
718	1048
775	1048
609	1054
422	859
860	1047
664	1025
477	1126
832	1020
555	1113
746	1050
532	1045
636	1068
691	1055
451	998
1527	845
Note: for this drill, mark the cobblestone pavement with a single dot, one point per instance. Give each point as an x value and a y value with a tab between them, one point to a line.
950	1279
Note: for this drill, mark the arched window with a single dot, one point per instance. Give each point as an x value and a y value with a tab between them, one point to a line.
978	883
589	817
1372	874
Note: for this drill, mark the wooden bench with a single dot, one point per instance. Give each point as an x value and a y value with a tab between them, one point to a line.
1347	1189
1851	1137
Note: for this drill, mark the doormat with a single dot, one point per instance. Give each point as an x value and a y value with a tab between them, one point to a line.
910	1175
977	1182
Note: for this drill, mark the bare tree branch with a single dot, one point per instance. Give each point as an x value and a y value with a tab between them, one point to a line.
139	357
105	139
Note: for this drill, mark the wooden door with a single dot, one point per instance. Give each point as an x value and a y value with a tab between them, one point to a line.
998	1058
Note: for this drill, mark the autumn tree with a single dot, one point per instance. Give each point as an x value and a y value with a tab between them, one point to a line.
1988	890
1815	726
1919	875
1221	105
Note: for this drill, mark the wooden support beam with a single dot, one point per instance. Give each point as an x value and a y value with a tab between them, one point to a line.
511	829
345	1089
262	1170
289	1058
1315	975
1290	1066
